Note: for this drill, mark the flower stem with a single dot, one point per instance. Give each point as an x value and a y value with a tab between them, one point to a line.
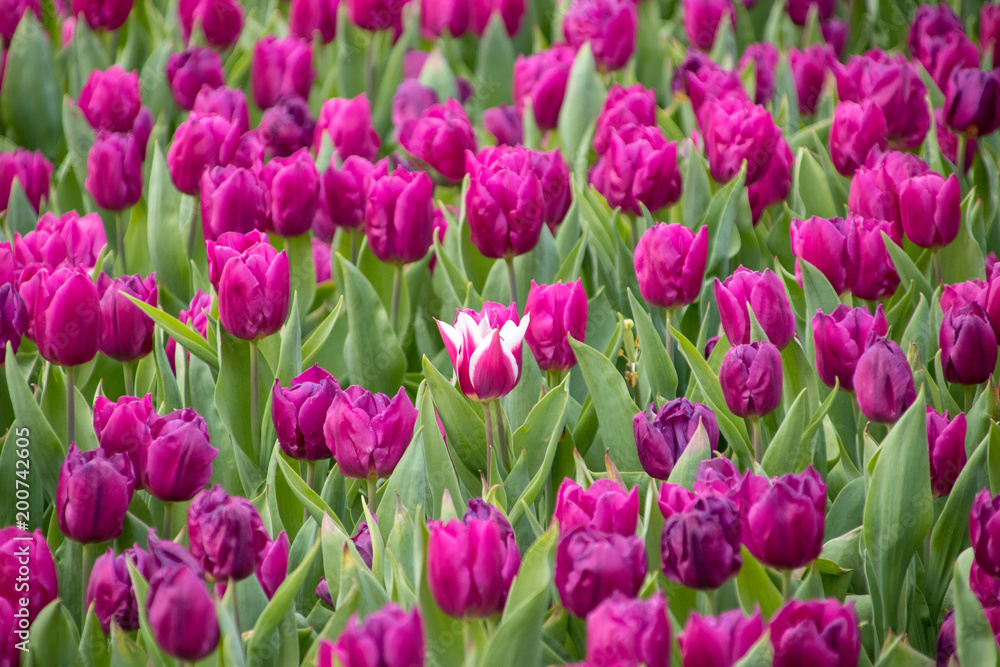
710	594
129	378
255	397
192	229
355	243
236	607
756	439
120	233
372	490
668	339
960	156
511	278
502	436
168	516
88	565
310	481
786	585
397	284
938	267
489	442
553	379
970	397
70	403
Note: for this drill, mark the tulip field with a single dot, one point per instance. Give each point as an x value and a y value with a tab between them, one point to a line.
492	333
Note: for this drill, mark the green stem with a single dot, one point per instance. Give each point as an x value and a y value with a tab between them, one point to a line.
120	234
397	284
355	244
255	397
960	161
488	420
634	223
756	439
372	491
713	606
553	379
168	520
192	229
970	397
89	556
786	585
310	481
668	340
129	378
938	267
502	436
511	278
370	68
236	606
70	403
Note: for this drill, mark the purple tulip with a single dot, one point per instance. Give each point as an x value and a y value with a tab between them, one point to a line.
829	245
349	125
33	172
221	21
299	413
342	196
663	437
122	427
367	432
557	192
968	345
103	14
110	588
820	633
254	292
945	54
930	209
875	187
287	126
610	26
798	10
856	129
591	566
182	614
946	447
377	15
946	644
702	19
989	30
200	143
399	216
557	312
226	534
504	202
362	540
191	70
232	200
700	545
984	531
639	168
839	339
110	99
323	592
883	381
719	641
11	12
931	21
776	183
280	67
293	184
604	506
65	314
877	277
411	100
625	631
93	495
764	57
440	16
541	78
440	137
388	638
750	376
809	69
835	33
126	332
734	131
634	105
511	12
306	17
784	517
274	565
765	293
15	546
948	142
177	464
504	123
228	245
13	317
701	79
670	264
114	171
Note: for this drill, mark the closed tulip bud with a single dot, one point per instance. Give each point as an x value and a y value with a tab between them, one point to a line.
64	313
437	18
274	565
110	99
114	171
622	630
798	10
946	644
962	294
809	69
399	216
411	100
306	17
191	70
362	540
368	433
541	78
280	67
700	545
945	54
485	350
835	33
931	21
604	506
470	566
783	517
505	206
182	614
323	592
736	131
177	464
13	11
775	185
293	183
126	332
557	312
894	85
390	637
989	30
510	11
764	57
110	588
639	168
376	15
33	173
702	19
93	495
122	427
883	381
829	245
719	641
557	193
765	293
663	437
750	376
348	122
342	196
968	345
254	292
233	199
440	137
972	102
984	531
15	546
610	26
299	413
856	129
591	566
948	142
946	447
13	317
200	143
930	209
287	126
670	264
821	633
226	534
839	339
103	14
221	21
877	277
634	105
718	475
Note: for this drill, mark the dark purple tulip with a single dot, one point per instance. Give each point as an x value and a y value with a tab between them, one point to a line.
986	588
638	168
610	26
504	123
13	317
254	292
11	12
367	432
946	447
591	566
15	544
300	411
829	245
670	264
557	312
103	14
182	614
989	30
323	592
287	126
634	105
720	641
191	70
541	78
776	183
33	172
784	517
280	67
750	376
411	100
968	345
126	332
166	553
877	277
306	17
735	130
557	192
700	545
221	21
819	633
64	314
388	638
661	439
702	19
626	631
511	13
809	69
798	10
764	57
946	642
928	22
177	464
839	339
984	531
122	427
226	534
945	54
200	143
930	209
718	475
972	102
399	216
765	293
504	202
856	129
274	565
233	199
349	125
110	588
110	99
342	196
362	539
93	495
376	15
114	171
293	184
948	142
604	506
835	33
440	137
883	381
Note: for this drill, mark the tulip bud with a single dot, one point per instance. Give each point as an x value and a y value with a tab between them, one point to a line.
623	631
784	517
287	126
553	176
702	19
323	592
505	206
750	376
226	534
510	11
829	245
389	638
182	614
702	80
764	57
306	17
349	125
122	427
200	143
33	172
438	17
946	642
542	78
839	339
984	529
411	100
504	123
883	381
989	30
65	314
946	446
300	411
820	633
13	317
293	183
114	171
798	10
930	209
440	137
126	332
856	129
634	105
557	312
110	99
591	566
221	21
735	131
362	540
368	433
809	68
233	199
774	185
191	70
342	196
16	545
972	102
968	345
13	11
93	495
177	464
604	506
103	14
399	216
661	439
931	21
274	565
110	588
376	15
280	67
877	277
700	546
835	33
485	350
709	641
639	168
670	264
254	292
765	293
610	26
718	475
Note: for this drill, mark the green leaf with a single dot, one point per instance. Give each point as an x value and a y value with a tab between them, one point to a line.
975	643
811	189
900	654
290	359
141	589
29	99
166	247
319	336
788	451
755	588
444	634
389	79
819	295
654	361
282	601
494	65
906	269
47	453
464	426
374	357
54	637
311	500
352	45
124	651
231	644
761	654
583	101
185	336
720	218
699	448
21	217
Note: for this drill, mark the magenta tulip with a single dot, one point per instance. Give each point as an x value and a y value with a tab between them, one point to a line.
349	126
820	633
192	70
280	67
720	641
399	216
856	130
541	78
299	413
783	517
504	202
604	506
883	381
591	566
93	495
293	185
670	264
367	432
226	534
624	631
610	26
440	137
839	339
557	312
221	21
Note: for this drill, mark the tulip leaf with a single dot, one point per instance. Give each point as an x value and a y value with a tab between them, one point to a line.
906	269
319	336
352	46
615	409
444	634
898	511
141	589
761	654
46	449
811	190
962	259
93	643
124	651
569	271
583	100
755	588
185	336
465	427
29	99
654	362
388	80
231	643
720	218
282	601
354	574
309	498
54	637
898	653
290	358
21	216
494	65
699	448
788	452
303	272
975	643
